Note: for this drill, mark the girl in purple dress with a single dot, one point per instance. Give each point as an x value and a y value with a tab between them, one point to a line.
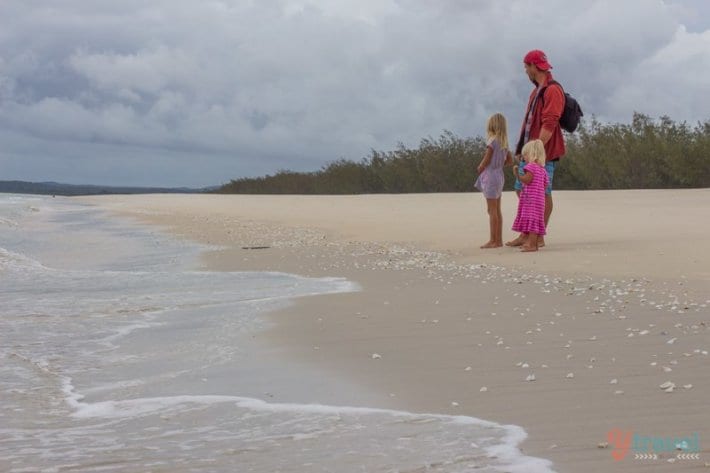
530	219
490	179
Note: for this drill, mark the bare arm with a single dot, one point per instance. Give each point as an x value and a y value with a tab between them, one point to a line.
487	156
508	159
526	178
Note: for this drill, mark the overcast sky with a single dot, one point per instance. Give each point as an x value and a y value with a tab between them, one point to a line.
198	92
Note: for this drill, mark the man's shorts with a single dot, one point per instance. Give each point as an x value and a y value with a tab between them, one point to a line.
549	167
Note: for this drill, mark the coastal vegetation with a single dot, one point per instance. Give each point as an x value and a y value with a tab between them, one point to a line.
644	154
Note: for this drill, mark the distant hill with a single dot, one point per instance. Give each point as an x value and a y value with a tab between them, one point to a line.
56	188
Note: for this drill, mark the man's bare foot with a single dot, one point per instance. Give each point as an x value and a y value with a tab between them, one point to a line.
516	242
526	248
491	244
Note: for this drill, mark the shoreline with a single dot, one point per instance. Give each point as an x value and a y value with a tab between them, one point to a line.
447	321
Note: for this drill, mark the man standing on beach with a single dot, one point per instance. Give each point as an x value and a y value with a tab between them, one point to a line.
542	121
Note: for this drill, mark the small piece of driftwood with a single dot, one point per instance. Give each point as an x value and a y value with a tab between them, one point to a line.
255	247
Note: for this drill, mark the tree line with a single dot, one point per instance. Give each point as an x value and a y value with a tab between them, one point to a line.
645	154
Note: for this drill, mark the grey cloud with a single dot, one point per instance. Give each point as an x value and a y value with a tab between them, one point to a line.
195	93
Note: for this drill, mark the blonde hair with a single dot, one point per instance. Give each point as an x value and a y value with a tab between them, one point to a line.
497	127
535	150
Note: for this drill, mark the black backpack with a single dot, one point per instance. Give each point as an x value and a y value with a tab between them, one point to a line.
571	113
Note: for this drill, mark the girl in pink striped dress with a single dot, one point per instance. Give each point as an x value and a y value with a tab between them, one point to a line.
530	219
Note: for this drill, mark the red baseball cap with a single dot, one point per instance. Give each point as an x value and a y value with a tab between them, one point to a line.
538	58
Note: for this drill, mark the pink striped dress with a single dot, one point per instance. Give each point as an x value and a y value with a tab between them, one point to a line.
531	206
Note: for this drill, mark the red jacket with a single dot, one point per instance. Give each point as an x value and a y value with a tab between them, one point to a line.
546	115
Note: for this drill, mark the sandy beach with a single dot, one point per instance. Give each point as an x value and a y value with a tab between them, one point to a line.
569	343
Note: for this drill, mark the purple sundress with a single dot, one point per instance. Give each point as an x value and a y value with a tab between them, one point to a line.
531	206
490	181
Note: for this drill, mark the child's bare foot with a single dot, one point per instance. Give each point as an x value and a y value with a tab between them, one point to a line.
527	248
516	242
492	244
540	242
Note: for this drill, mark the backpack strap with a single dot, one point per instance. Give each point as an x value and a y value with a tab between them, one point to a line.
549	83
540	96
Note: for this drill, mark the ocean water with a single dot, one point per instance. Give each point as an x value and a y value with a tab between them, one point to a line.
118	355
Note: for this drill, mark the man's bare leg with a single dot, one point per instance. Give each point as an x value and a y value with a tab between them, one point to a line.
548	212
